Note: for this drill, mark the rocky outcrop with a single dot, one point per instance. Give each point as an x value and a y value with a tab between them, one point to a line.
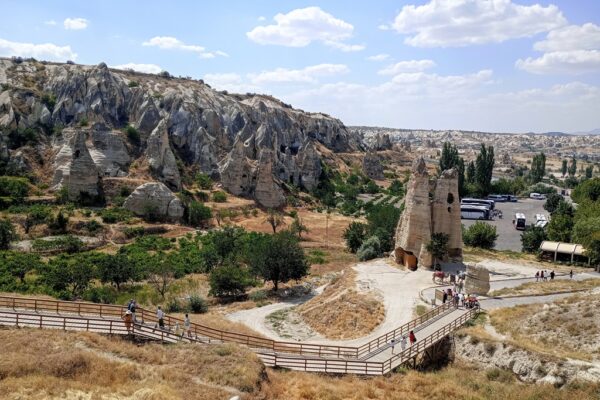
267	192
161	159
414	227
154	199
74	167
446	212
477	280
109	151
184	126
527	366
423	217
382	142
372	166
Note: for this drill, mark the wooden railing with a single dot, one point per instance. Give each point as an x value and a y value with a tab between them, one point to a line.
208	333
345	366
403	330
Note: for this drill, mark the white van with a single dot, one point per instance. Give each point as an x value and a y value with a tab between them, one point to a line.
537	196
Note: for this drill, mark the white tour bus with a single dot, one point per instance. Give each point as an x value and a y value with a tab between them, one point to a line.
520	221
479	202
472	211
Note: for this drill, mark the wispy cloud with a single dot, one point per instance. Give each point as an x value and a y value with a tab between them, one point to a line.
75	24
46	51
172	43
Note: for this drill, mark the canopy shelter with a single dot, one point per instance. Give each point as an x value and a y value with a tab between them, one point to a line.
563	248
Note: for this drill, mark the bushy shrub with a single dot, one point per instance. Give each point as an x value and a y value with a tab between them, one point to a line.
14	187
132	134
198	214
371	248
480	235
532	238
229	280
115	214
174	306
219	197
197	304
354	235
204	181
68	243
101	294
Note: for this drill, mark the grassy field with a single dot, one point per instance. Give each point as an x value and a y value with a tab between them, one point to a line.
547	287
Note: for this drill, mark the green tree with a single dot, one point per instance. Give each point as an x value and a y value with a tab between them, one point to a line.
538	168
449	158
552	202
116	269
204	181
462	187
160	272
396	188
275	219
198	214
16	188
573	167
587	233
219	197
560	227
230	280
18	264
354	235
369	249
36	214
297	227
470	176
532	238
382	221
480	234
564	167
587	190
484	166
7	234
589	170
438	246
70	274
280	259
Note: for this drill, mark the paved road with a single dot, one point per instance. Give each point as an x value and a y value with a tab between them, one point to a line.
429	293
491	303
508	237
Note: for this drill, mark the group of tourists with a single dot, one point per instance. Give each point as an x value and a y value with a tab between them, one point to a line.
129	319
543	275
459	298
403	342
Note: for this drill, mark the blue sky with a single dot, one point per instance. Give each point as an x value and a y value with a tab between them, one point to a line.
494	65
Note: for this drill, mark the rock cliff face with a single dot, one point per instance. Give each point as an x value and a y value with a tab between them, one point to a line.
423	217
477	280
154	198
372	166
182	124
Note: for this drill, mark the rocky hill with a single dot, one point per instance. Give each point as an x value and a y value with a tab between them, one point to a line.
75	126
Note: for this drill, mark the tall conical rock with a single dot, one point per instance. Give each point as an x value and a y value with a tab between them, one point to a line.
414	227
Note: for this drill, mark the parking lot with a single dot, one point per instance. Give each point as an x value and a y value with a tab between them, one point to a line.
508	237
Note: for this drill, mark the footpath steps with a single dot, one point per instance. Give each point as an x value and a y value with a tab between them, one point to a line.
374	357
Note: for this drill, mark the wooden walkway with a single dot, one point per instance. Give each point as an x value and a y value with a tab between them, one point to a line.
372	358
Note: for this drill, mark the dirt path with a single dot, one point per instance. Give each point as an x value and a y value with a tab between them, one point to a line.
398	289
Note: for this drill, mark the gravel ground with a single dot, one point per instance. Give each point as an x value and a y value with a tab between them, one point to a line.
508	237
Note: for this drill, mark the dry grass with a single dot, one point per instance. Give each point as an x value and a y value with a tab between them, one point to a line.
52	364
461	381
547	287
335	260
341	312
567	328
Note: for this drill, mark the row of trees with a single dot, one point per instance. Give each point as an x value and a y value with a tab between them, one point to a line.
474	178
234	258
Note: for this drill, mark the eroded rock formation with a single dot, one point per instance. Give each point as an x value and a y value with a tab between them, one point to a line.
477	280
154	198
422	217
184	127
372	166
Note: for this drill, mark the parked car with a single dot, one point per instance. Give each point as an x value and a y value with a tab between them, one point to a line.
537	196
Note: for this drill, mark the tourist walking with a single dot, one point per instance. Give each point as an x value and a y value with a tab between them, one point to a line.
571	274
542	275
132	307
393	344
412	338
455	298
461	298
127	317
403	343
537	276
444	298
186	326
552	274
160	316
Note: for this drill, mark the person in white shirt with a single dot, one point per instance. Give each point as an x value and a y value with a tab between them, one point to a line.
403	343
186	326
160	315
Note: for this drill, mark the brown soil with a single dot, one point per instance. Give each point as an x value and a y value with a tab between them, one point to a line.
341	312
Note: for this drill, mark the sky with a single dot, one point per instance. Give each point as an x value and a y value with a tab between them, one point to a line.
488	65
